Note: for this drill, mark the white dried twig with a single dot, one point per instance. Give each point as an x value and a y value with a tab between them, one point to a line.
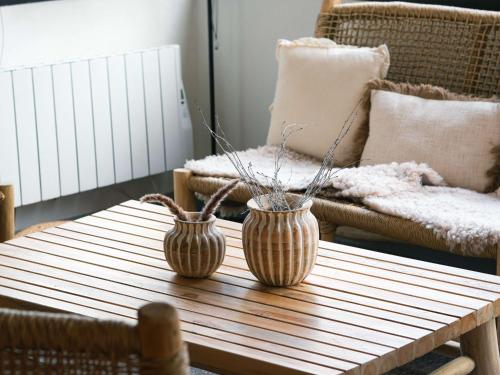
276	192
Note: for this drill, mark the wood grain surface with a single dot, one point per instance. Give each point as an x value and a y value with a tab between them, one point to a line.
359	312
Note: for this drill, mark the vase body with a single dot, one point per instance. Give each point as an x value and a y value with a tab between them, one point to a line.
280	246
194	249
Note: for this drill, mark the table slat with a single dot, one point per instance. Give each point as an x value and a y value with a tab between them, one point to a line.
107	237
364	278
359	312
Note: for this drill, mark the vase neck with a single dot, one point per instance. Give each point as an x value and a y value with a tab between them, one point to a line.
196	226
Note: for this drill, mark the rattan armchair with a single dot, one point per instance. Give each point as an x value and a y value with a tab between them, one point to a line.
458	49
51	343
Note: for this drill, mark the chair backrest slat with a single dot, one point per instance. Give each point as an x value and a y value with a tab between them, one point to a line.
455	48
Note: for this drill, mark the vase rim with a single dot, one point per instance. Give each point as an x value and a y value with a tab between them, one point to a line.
252	204
190	214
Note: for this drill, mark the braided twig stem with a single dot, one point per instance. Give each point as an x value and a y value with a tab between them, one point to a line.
216	199
167	202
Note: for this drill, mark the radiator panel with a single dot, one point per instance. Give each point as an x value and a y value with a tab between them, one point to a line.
65	125
102	123
46	127
77	125
177	122
119	119
154	120
84	127
27	136
9	162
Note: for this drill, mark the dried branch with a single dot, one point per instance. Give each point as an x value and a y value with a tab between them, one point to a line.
216	199
167	202
250	181
327	171
276	193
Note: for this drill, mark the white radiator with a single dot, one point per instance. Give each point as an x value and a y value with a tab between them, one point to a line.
77	125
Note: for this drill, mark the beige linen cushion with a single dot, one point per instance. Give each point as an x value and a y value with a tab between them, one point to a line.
455	137
319	85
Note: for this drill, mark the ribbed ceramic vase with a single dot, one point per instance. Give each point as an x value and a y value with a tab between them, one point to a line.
280	246
194	248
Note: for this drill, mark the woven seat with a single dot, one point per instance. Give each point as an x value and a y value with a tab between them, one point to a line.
50	343
458	49
346	213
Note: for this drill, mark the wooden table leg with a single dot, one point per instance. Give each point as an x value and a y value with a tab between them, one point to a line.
327	231
482	346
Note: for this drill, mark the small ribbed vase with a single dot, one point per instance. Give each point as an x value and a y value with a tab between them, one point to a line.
194	248
280	246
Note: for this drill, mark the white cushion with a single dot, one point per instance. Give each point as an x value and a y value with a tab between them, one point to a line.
319	84
453	137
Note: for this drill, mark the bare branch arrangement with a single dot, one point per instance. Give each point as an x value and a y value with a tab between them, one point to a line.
209	209
274	196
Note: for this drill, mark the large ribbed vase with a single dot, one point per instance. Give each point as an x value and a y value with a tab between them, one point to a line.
194	248
280	246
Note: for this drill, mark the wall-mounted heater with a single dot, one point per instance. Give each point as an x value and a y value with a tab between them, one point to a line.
77	125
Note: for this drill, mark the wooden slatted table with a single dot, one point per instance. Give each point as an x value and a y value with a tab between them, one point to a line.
360	312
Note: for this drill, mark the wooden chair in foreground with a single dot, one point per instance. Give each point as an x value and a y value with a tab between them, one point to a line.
48	343
7	217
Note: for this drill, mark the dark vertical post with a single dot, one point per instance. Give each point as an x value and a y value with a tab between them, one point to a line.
211	73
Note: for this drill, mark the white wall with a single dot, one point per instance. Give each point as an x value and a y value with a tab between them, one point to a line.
58	30
246	68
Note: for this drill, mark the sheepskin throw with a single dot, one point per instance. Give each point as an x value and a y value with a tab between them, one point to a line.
297	171
467	220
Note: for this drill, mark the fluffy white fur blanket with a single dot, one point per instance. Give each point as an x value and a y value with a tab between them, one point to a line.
297	170
468	221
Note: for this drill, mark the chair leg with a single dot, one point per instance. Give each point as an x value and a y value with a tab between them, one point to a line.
498	274
7	220
458	366
327	231
481	345
182	195
160	340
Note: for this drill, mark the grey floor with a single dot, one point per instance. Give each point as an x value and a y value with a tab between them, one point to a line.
197	371
421	366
